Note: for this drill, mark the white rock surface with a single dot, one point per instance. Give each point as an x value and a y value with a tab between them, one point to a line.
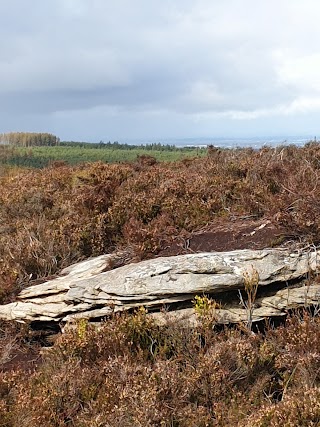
87	290
271	306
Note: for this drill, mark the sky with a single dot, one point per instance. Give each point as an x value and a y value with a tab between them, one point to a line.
92	70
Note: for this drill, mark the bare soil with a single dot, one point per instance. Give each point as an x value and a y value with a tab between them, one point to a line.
246	233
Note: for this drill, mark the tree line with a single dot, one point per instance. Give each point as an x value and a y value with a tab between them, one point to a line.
124	146
29	139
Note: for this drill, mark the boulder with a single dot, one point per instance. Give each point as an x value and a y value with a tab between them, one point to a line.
91	290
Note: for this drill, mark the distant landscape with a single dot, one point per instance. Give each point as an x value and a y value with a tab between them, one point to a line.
38	150
30	150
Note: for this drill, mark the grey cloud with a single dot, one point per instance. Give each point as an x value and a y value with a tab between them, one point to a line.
179	58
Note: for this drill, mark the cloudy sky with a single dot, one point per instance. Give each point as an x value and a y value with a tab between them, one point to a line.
113	70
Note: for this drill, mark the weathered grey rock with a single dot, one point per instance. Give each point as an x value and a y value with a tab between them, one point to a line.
271	306
87	290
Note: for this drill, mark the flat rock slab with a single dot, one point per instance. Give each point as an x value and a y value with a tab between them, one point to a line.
87	290
264	307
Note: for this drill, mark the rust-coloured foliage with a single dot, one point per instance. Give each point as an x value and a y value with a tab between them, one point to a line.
131	372
52	217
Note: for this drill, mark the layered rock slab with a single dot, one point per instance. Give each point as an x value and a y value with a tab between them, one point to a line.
87	290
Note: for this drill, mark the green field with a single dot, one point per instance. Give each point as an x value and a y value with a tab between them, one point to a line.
39	157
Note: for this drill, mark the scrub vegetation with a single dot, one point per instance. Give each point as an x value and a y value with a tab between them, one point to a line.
130	371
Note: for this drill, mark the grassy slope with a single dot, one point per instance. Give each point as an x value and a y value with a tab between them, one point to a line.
43	156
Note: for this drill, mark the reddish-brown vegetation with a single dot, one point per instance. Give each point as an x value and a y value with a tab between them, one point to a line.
131	372
52	217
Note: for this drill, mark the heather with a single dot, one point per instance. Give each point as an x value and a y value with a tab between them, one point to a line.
54	216
131	371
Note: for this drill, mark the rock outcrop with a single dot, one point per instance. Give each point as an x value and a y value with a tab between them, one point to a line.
87	290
